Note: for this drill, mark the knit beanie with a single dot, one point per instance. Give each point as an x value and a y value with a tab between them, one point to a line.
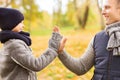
10	18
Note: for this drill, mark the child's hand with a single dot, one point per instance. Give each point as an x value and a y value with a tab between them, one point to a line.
62	42
56	29
54	41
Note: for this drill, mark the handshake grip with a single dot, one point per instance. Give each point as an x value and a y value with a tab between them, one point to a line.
54	41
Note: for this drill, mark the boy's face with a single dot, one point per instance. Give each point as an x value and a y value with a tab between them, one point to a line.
19	27
111	11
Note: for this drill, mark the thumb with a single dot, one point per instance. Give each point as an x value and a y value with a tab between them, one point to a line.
56	29
62	44
63	41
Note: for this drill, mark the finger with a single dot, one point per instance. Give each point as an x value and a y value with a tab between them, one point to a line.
56	29
62	44
63	41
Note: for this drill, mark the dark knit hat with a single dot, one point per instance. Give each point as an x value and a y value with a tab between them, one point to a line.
10	18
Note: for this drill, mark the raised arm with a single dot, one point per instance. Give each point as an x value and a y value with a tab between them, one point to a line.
23	56
79	65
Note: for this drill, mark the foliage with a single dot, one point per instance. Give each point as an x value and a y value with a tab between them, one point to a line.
71	15
56	70
36	18
40	24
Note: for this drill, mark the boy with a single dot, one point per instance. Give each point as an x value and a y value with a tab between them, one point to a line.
16	59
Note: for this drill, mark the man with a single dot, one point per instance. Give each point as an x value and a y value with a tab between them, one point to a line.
103	51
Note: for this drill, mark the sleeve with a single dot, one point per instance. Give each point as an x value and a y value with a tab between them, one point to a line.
54	41
79	65
24	57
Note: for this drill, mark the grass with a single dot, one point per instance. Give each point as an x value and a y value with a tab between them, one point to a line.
75	46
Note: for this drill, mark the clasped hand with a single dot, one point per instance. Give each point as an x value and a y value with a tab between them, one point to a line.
57	42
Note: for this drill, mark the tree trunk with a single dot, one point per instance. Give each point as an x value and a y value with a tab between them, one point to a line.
81	20
85	18
102	24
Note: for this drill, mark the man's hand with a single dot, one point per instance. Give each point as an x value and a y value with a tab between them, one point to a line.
62	44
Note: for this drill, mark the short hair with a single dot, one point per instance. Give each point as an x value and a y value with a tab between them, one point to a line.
118	1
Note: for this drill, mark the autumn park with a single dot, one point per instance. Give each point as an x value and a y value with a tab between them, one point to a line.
79	23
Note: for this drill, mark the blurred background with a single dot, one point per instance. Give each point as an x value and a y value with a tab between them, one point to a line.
78	20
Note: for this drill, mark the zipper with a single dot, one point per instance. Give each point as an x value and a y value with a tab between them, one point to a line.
108	66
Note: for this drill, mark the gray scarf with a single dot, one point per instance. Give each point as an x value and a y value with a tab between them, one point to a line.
113	30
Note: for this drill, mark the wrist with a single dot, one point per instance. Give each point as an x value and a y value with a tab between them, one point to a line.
60	51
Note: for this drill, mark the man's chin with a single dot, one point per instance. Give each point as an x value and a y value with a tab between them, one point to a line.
108	23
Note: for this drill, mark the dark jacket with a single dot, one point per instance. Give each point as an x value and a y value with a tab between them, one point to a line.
107	66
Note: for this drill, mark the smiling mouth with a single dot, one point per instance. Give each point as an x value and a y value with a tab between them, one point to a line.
106	17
